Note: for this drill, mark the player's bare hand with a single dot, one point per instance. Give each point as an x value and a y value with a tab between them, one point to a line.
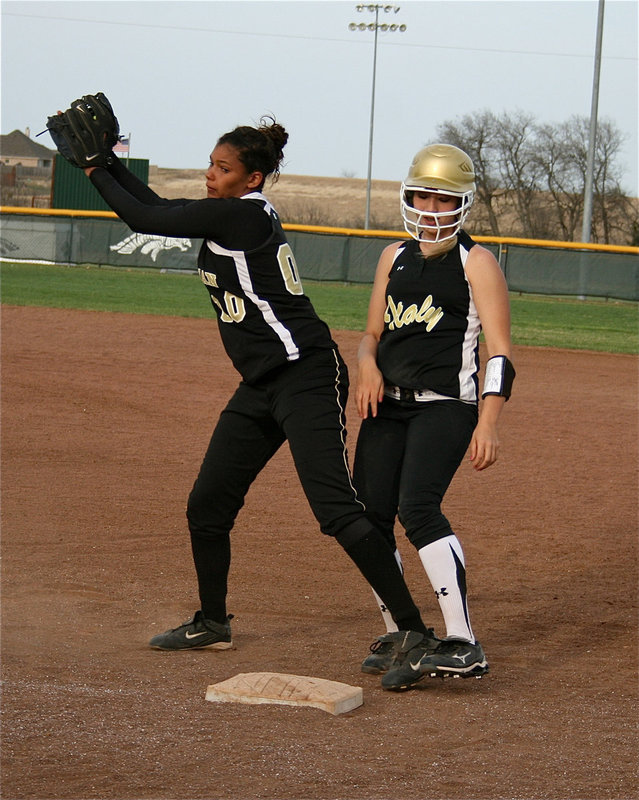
484	446
370	388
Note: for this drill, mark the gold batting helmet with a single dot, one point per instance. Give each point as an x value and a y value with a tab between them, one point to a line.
441	169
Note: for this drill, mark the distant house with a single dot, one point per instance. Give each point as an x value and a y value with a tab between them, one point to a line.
18	149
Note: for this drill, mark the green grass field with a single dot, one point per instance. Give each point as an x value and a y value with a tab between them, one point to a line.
611	326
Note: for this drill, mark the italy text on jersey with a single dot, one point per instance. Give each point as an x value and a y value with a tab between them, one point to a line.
396	316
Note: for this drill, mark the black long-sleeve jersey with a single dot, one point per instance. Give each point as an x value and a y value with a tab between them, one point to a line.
245	262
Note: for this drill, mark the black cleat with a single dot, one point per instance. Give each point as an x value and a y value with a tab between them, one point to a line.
196	633
451	658
390	650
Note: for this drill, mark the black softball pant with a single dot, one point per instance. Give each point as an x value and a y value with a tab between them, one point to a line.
303	402
405	460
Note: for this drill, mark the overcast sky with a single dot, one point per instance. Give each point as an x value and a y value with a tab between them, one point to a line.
181	73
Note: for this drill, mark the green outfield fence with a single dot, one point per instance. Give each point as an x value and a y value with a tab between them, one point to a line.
67	236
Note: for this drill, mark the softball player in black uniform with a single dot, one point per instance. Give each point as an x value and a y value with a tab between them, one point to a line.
294	382
417	393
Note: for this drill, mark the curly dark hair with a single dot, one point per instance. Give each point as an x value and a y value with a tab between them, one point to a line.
260	149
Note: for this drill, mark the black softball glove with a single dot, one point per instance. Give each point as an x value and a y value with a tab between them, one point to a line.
86	132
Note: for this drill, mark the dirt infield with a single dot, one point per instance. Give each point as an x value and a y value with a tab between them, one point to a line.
105	418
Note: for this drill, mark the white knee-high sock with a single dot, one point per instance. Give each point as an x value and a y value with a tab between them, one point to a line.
391	627
444	563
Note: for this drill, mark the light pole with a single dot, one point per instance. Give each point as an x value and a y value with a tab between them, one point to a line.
376	26
592	138
586	230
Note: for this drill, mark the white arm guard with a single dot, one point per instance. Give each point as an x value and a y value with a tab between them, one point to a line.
499	377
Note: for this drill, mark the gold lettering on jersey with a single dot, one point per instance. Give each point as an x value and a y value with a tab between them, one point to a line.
233	309
396	316
208	278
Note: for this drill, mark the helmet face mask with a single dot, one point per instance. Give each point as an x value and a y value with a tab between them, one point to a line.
440	169
433	226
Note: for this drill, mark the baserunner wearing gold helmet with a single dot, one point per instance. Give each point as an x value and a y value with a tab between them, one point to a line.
440	169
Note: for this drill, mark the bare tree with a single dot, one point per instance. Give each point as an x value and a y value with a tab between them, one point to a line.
564	179
534	174
519	168
609	196
475	134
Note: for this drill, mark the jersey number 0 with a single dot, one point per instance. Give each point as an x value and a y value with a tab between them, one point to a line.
289	270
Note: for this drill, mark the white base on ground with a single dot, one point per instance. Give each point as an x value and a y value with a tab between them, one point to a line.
289	690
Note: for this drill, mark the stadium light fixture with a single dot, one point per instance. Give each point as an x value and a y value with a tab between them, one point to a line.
376	26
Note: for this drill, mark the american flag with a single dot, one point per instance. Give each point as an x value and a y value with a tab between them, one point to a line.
122	146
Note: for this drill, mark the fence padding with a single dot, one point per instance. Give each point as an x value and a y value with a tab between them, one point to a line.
530	268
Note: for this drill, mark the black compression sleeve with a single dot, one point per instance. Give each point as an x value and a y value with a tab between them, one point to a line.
233	223
134	185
